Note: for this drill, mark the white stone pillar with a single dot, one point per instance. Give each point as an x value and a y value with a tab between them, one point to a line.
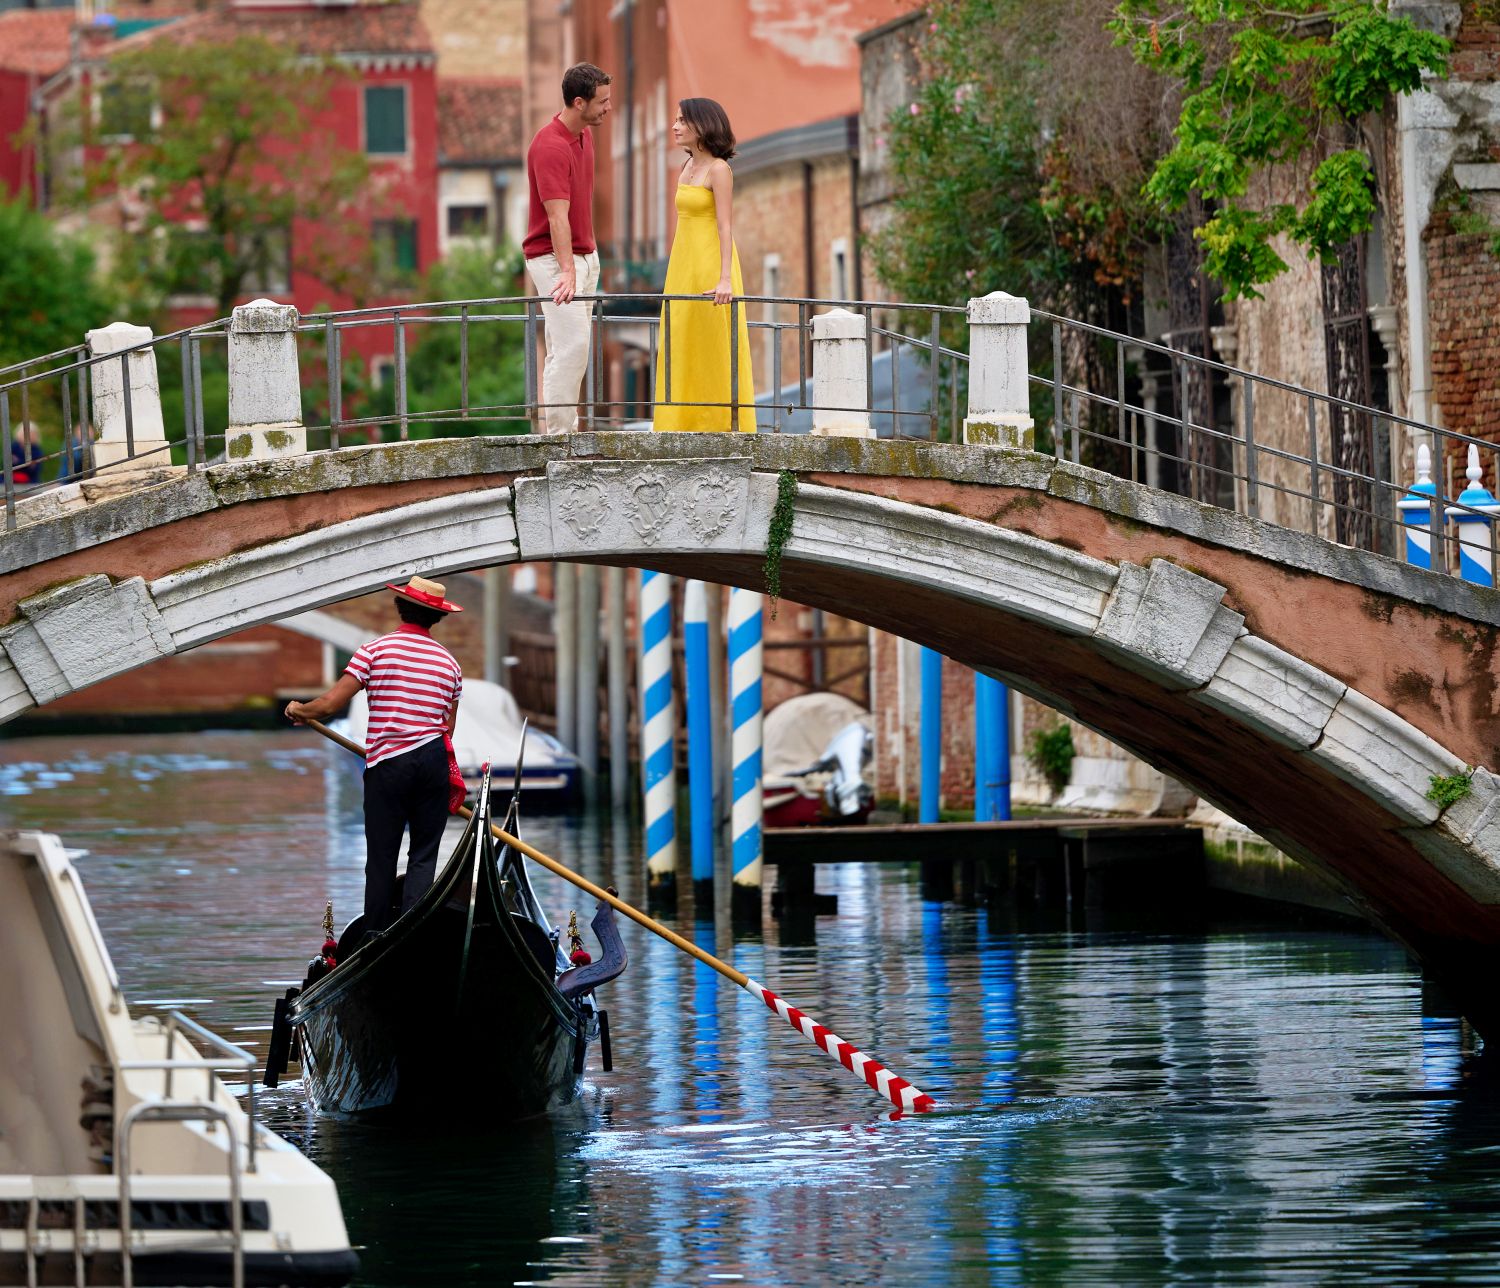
999	396
265	388
839	345
145	446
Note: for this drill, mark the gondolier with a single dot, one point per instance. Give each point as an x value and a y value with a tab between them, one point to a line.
413	685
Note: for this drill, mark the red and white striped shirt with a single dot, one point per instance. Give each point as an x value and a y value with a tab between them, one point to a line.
411	682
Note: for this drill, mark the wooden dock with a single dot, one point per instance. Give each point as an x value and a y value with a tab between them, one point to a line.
1058	861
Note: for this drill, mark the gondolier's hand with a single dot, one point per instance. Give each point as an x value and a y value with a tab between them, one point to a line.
565	287
723	292
293	713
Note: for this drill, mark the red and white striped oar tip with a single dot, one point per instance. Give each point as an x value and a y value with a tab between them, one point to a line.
897	1090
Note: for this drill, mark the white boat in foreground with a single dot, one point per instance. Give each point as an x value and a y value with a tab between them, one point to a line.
489	729
123	1157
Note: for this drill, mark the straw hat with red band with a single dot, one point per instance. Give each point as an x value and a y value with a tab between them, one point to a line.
427	593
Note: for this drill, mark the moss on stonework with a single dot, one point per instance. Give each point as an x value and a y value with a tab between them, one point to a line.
1448	789
1412	686
1378	607
278	439
1028	502
239	447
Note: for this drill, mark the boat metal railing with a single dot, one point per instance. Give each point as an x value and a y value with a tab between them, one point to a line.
168	1110
1153	413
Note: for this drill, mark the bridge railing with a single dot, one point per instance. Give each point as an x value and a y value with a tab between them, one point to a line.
1156	415
268	382
864	351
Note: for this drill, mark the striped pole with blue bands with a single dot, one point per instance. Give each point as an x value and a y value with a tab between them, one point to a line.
658	773
700	731
745	670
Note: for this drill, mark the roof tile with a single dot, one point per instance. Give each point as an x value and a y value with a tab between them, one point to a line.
479	120
35	40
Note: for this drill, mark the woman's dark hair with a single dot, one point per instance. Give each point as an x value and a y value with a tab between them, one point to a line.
417	615
582	81
712	124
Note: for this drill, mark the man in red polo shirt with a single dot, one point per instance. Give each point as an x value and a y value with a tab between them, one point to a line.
560	251
412	685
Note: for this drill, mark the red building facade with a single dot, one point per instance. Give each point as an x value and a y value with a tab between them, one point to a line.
384	106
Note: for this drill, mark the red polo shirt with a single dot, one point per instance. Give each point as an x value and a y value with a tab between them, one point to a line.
560	167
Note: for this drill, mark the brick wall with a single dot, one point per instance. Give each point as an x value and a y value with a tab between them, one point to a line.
485	39
250	670
769	220
1463	286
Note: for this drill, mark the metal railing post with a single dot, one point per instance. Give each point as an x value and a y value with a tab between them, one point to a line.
197	347
1058	449
1439	560
528	364
1252	492
463	361
10	465
776	379
335	381
935	349
734	363
400	356
187	404
129	406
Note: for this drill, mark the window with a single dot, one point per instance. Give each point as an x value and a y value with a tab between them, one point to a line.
395	242
468	221
839	262
770	284
125	108
270	271
385	120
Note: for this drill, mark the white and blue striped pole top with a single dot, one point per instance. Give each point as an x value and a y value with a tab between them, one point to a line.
658	712
745	672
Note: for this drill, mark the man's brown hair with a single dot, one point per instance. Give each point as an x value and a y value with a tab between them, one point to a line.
712	125
582	81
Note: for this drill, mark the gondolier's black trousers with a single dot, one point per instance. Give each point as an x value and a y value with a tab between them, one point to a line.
409	790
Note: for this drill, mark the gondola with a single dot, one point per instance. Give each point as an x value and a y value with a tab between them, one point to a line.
466	998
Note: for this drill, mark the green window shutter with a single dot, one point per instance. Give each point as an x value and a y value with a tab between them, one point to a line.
385	120
406	245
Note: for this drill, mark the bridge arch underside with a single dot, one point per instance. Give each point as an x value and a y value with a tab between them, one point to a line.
1149	654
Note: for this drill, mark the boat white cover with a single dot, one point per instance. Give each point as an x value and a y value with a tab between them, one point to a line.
488	729
797	732
68	1043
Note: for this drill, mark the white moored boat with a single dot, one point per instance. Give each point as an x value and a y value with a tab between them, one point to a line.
123	1158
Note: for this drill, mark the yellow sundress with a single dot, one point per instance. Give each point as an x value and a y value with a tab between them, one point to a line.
700	332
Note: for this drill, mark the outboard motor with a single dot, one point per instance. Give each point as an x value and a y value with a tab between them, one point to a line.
849	751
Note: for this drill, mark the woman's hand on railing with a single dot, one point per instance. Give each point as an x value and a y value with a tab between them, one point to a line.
723	292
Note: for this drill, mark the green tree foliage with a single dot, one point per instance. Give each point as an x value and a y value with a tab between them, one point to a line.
1266	83
242	144
1012	169
50	293
496	356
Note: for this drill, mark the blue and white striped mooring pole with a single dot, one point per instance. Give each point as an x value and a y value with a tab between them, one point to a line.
745	668
700	737
1474	518
1416	512
658	770
931	735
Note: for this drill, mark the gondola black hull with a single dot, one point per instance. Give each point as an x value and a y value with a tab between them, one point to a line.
454	1005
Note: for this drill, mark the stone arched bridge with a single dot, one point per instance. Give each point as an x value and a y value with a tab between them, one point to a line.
1312	691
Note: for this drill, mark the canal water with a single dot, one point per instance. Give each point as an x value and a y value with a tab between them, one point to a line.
1232	1103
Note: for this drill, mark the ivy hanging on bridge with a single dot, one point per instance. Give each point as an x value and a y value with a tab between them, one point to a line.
782	514
1279	83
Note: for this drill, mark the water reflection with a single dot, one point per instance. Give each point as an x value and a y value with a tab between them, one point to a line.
1241	1104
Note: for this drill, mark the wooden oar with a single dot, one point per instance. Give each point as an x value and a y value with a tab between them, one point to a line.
897	1090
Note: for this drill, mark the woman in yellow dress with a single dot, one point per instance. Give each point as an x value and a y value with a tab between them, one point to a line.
703	262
